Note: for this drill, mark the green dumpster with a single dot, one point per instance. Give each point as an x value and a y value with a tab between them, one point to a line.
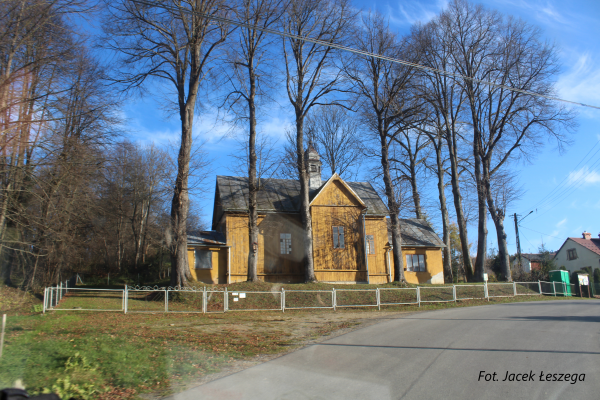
564	287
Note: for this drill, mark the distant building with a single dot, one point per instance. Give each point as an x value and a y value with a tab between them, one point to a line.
529	261
578	253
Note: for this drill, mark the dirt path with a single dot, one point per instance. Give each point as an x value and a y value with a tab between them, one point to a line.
303	329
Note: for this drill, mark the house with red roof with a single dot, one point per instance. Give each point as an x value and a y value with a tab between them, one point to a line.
578	253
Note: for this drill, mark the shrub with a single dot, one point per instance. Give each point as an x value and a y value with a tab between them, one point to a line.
75	384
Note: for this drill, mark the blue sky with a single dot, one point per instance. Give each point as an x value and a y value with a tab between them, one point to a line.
573	26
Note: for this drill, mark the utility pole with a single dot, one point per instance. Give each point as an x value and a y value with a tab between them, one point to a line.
518	243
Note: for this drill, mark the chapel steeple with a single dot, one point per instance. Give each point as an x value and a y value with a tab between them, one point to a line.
313	162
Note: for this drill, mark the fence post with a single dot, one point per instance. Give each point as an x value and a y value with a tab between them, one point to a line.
515	289
540	286
419	295
50	304
125	296
204	300
333	299
454	293
226	301
166	300
378	299
554	286
282	300
45	299
60	294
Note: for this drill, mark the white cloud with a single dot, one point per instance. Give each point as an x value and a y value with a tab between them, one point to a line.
561	223
581	82
409	13
584	176
543	11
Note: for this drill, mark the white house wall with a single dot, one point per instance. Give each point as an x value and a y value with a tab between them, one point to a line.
585	257
525	263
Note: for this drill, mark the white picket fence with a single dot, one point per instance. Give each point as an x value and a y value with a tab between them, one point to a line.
208	300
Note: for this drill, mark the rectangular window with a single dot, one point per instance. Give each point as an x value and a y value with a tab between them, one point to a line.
370	244
203	259
285	243
571	254
338	237
415	263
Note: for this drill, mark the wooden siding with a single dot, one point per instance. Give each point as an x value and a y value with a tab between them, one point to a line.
378	272
219	265
337	206
434	266
336	194
272	266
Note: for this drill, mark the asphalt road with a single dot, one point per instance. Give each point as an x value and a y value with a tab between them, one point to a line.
438	354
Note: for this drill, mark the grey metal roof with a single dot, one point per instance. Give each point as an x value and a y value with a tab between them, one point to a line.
283	195
206	238
536	256
417	233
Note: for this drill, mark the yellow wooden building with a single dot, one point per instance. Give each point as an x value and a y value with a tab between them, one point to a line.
350	234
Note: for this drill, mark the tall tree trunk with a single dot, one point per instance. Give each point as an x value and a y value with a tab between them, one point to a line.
392	206
498	218
460	217
415	190
252	182
482	216
180	272
304	197
444	210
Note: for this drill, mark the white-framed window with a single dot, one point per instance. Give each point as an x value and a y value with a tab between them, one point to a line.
572	254
415	262
338	237
203	259
285	243
370	244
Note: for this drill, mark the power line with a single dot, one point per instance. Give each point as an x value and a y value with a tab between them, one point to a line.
542	200
360	52
566	192
528	240
541	233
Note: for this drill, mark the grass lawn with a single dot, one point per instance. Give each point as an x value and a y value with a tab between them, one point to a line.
124	356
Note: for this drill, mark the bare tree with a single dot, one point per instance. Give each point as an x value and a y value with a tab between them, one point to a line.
447	101
488	46
334	133
410	161
248	55
173	42
431	129
383	91
311	77
268	157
